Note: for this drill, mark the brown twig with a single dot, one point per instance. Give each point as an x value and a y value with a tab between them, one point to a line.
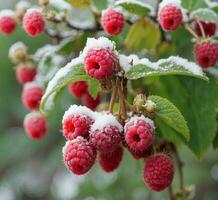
170	192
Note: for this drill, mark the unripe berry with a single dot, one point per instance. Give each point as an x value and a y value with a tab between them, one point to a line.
100	63
208	27
158	172
35	125
113	21
18	52
31	95
25	72
90	102
111	161
33	22
78	89
7	22
206	54
139	133
79	156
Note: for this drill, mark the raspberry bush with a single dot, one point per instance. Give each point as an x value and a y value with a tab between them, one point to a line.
140	91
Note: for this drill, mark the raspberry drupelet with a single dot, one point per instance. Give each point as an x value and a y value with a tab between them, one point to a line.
78	89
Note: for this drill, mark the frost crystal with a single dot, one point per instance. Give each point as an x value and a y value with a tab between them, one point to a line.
22	5
164	3
15	47
7	13
126	62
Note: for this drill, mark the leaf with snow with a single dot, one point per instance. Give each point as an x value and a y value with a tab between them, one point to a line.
173	65
135	7
205	14
73	71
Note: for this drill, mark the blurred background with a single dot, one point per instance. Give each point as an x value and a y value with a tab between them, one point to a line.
34	170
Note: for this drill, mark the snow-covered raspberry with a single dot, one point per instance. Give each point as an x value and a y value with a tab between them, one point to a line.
105	133
170	15
31	95
111	161
77	121
158	172
139	133
7	22
113	21
25	72
90	102
33	22
206	54
35	125
18	52
208	27
79	156
78	89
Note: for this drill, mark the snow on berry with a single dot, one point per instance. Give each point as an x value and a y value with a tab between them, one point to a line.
31	95
25	72
170	14
7	21
78	89
206	54
77	121
110	161
22	5
18	52
209	28
158	172
105	133
113	21
35	125
139	133
33	22
90	102
79	156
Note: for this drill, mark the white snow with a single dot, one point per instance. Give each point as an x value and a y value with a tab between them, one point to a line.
15	47
164	3
22	5
211	4
32	85
32	114
202	11
41	52
101	42
78	110
126	62
105	119
68	142
60	4
135	119
117	9
31	10
7	13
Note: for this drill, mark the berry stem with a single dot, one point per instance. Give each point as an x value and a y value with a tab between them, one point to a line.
202	29
122	111
113	96
170	192
189	29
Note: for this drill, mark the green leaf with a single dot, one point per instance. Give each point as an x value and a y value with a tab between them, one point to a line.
140	31
73	71
94	87
100	4
60	7
212	4
135	7
205	14
170	115
193	4
171	66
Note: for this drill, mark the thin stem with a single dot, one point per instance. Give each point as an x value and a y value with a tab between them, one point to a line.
170	192
188	28
122	111
202	29
113	96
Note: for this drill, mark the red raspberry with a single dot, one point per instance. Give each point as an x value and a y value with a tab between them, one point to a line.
140	154
170	17
111	161
139	133
113	22
25	73
79	156
7	22
78	89
100	63
77	121
31	96
105	133
158	172
33	22
90	102
35	125
208	27
206	54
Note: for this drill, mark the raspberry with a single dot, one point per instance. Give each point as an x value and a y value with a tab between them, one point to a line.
170	17
31	96
206	54
7	22
158	172
208	27
105	133
139	133
78	89
79	156
140	154
33	22
77	121
90	102
113	22
111	161
100	63
25	73
35	125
